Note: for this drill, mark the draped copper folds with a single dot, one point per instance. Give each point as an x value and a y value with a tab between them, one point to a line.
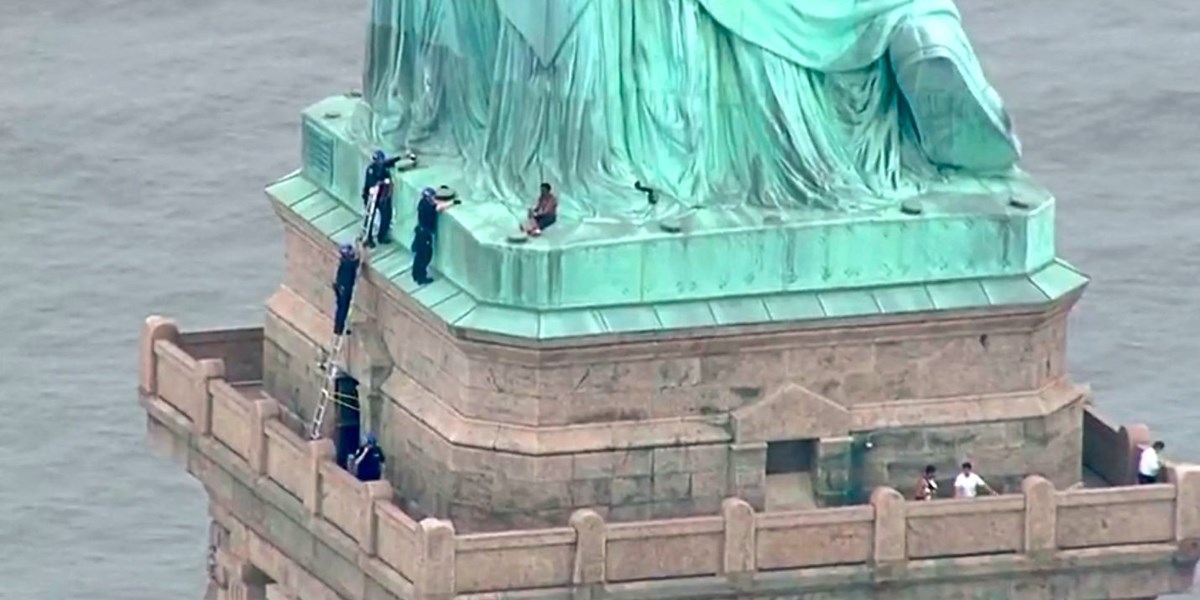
836	104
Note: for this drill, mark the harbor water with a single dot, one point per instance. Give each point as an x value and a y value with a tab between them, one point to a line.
136	137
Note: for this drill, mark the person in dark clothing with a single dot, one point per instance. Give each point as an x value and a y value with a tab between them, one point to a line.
343	286
927	487
368	461
428	209
379	173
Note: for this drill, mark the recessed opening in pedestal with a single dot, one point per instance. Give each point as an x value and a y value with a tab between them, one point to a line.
349	431
791	456
790	464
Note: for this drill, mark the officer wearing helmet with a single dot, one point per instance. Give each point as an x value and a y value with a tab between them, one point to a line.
368	462
343	286
428	209
379	173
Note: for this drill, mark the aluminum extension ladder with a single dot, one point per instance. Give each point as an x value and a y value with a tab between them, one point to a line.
334	358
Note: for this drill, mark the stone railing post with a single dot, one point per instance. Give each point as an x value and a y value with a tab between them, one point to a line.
436	577
1041	517
155	328
261	411
591	545
1187	508
1131	439
739	561
376	491
208	369
891	532
319	451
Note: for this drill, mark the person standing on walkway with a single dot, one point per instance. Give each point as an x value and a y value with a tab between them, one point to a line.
1150	464
927	486
428	209
967	484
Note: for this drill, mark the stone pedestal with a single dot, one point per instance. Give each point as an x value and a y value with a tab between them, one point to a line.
644	371
499	431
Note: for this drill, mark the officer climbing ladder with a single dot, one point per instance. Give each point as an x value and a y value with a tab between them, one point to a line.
377	192
349	256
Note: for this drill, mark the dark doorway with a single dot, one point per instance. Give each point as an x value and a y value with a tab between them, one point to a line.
791	456
348	429
790	468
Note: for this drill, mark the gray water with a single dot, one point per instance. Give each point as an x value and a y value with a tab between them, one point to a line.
136	137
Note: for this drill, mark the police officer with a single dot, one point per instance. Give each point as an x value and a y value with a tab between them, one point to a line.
343	286
368	461
379	173
428	209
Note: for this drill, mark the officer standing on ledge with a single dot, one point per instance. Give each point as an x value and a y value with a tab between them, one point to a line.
379	173
428	209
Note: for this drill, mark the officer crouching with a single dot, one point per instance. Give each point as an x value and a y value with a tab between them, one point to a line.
368	462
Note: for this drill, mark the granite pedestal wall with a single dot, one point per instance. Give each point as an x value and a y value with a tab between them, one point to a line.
1003	452
693	372
501	433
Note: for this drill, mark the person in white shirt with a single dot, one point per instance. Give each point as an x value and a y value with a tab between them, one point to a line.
1150	463
967	484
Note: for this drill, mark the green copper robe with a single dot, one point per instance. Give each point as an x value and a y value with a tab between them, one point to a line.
840	104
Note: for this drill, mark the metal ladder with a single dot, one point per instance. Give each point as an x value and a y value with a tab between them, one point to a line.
334	358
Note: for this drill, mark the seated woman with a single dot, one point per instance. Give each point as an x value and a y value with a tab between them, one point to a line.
543	214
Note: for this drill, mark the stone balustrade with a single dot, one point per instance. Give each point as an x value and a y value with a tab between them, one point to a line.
1111	451
889	536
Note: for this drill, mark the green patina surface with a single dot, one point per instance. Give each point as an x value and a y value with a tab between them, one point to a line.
460	308
585	262
810	161
837	104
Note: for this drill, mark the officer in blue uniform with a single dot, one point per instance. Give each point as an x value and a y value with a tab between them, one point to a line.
368	461
428	209
379	173
343	286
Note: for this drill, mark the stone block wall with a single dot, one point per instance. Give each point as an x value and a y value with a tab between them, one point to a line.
1002	452
693	374
473	481
851	366
290	367
483	490
498	435
241	349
